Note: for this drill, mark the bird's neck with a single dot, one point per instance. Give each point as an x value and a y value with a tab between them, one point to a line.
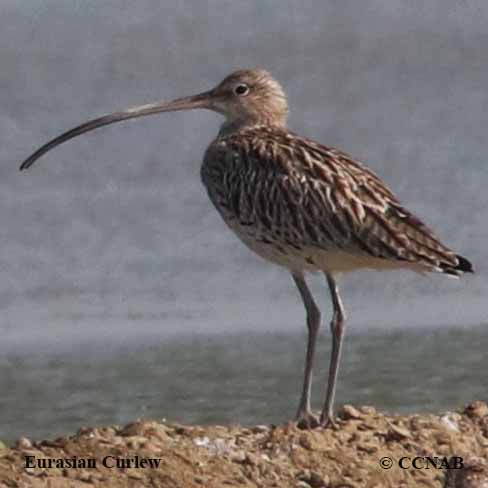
237	125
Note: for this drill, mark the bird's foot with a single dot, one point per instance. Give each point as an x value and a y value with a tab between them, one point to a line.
327	421
307	420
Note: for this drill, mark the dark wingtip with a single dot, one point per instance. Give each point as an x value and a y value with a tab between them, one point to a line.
464	265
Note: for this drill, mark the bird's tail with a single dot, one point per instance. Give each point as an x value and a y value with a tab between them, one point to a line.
463	266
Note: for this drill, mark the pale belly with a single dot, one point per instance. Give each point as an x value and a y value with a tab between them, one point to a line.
308	258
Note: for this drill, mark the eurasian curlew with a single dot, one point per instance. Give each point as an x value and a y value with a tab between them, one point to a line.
297	203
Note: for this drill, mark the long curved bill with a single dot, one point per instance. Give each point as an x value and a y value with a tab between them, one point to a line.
202	100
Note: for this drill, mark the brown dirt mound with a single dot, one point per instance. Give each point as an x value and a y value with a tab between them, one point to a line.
262	456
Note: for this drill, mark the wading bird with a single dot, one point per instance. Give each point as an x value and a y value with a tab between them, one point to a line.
297	203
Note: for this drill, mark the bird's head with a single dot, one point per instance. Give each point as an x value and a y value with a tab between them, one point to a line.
250	96
245	97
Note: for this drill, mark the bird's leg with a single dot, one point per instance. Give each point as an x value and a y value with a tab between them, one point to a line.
337	329
305	418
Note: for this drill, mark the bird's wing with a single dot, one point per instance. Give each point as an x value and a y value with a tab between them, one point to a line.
330	200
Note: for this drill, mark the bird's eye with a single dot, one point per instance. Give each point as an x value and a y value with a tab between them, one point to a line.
241	90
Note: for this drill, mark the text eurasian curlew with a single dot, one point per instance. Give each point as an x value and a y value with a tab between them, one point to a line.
297	203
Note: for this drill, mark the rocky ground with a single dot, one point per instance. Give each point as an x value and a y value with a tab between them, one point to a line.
364	452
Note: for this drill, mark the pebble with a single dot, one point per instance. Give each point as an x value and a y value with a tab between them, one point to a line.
238	457
398	433
368	410
305	442
84	476
23	443
153	447
86	432
58	442
312	478
450	421
368	448
135	474
251	459
348	412
201	441
134	428
317	481
476	409
136	441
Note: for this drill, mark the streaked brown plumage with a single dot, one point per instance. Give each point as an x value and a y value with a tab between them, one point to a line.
297	203
296	195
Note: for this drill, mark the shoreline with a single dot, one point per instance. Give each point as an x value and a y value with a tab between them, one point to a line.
422	450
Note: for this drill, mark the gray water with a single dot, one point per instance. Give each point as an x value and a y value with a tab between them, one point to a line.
116	226
244	378
109	243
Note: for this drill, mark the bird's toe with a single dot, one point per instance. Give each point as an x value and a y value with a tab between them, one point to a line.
328	422
307	420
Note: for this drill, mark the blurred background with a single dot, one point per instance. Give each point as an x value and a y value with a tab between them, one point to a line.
123	294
